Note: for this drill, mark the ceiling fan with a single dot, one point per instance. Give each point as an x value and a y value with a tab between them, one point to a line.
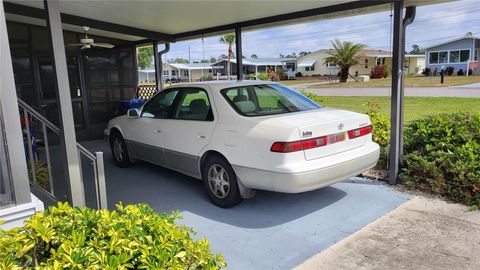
87	43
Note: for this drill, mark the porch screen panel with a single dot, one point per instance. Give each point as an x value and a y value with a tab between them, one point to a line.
5	184
110	81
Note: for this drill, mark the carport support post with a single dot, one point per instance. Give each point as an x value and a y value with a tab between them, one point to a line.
72	162
397	92
238	52
158	67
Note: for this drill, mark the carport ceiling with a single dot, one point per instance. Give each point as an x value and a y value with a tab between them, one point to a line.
176	20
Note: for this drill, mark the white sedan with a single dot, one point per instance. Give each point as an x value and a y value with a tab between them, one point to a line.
245	135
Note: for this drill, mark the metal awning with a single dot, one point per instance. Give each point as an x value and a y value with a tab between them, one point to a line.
308	63
170	21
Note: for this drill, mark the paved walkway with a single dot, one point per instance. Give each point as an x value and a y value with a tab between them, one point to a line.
420	234
385	91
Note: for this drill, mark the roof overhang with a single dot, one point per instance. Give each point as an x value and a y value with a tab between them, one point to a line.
307	63
169	21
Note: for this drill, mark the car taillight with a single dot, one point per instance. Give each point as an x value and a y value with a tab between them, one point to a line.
287	147
359	132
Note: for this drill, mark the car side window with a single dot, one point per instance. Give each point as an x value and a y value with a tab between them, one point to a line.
194	105
160	105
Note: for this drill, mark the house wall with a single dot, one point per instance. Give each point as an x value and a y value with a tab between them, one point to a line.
320	68
463	44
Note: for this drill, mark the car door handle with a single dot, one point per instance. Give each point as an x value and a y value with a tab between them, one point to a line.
158	131
201	136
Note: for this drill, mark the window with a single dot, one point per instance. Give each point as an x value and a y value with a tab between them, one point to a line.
443	57
174	72
366	63
433	57
166	72
464	55
454	56
383	61
477	54
185	73
307	68
194	105
379	61
5	188
330	64
160	105
260	100
312	68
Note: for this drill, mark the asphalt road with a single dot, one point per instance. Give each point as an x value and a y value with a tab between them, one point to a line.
471	91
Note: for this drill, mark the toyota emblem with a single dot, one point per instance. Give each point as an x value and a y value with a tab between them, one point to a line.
340	126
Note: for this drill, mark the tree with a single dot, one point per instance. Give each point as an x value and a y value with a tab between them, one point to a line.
345	54
253	56
228	39
303	53
213	59
144	56
178	60
417	50
205	61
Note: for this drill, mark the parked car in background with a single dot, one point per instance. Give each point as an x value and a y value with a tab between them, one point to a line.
171	79
245	135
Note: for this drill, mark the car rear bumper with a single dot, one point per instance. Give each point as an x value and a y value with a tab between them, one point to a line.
312	174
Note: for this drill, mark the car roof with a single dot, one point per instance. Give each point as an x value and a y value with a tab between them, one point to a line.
222	84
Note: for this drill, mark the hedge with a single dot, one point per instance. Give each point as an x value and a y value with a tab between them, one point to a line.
131	237
442	156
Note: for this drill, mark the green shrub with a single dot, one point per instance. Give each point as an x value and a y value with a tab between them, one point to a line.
41	173
312	96
380	124
442	156
262	76
132	237
207	77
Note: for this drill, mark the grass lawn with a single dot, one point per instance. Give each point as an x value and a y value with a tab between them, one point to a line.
409	82
415	107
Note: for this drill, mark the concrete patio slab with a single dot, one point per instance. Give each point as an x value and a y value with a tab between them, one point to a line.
420	234
270	231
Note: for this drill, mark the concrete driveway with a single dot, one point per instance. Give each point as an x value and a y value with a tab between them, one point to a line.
270	231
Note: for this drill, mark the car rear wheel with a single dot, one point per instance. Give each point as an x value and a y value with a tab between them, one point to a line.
220	182
119	150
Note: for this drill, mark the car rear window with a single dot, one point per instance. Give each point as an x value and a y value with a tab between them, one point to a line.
261	100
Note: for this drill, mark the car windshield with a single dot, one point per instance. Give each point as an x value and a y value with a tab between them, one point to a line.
260	100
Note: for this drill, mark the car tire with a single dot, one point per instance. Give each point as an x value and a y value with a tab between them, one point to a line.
220	182
119	150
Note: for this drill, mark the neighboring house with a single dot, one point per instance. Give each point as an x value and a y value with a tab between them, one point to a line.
146	76
187	71
458	53
254	65
314	63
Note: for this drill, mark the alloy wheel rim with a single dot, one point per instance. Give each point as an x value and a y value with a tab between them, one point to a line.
218	181
118	149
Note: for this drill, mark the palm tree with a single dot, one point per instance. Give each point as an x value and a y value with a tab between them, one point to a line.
228	39
345	54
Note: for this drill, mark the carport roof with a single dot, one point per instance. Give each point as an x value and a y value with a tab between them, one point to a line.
176	20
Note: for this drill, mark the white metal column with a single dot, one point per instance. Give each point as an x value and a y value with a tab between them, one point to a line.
73	170
11	118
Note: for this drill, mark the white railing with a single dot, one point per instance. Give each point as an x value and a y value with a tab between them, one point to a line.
30	116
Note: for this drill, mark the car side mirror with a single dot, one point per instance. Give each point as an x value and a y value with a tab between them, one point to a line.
133	113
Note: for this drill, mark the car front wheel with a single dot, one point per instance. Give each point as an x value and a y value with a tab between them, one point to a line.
220	182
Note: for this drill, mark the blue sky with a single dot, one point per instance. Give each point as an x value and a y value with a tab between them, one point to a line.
433	24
